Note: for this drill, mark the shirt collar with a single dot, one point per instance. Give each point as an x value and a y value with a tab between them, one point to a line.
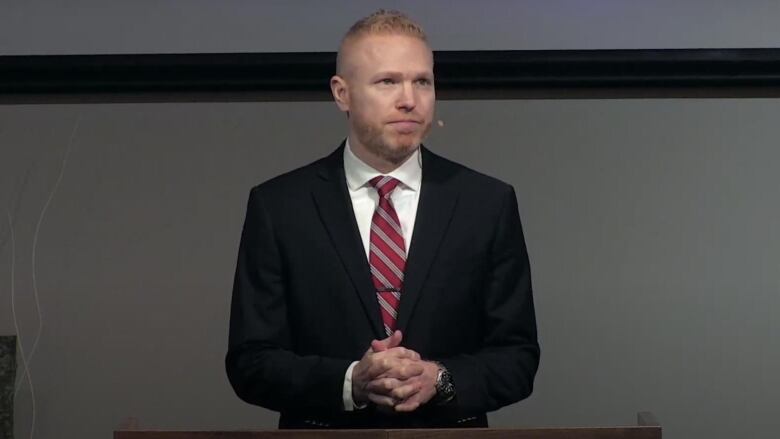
359	173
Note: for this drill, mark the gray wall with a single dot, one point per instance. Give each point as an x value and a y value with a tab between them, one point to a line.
160	26
650	223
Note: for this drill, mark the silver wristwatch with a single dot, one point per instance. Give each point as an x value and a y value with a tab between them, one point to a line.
445	389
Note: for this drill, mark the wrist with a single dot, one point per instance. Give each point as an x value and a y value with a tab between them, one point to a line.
359	396
351	391
444	386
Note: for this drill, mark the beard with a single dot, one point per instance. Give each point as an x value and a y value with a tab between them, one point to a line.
393	147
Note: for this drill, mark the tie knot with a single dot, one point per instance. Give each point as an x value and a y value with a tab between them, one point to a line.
384	185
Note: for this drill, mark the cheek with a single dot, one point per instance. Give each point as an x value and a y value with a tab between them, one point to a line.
369	110
427	106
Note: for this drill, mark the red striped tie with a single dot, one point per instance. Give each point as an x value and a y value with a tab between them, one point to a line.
387	254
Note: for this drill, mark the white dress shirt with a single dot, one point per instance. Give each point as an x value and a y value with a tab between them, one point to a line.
365	199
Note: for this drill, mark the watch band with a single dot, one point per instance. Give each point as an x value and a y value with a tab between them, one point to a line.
445	388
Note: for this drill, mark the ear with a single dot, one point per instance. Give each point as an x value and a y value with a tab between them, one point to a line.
338	86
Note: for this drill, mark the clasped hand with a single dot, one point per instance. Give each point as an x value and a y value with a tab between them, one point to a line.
393	376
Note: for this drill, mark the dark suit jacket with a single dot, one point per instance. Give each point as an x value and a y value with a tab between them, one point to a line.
304	306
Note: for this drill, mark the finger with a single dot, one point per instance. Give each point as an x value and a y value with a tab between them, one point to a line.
381	364
381	400
392	341
405	389
383	386
413	402
378	366
402	370
410	404
395	339
389	366
401	352
407	406
378	346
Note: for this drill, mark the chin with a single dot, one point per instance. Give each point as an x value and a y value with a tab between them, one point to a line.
408	142
398	153
403	149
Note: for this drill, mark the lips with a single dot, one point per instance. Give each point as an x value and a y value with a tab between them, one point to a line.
405	126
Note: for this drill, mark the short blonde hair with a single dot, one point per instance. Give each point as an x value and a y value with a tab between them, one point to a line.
379	23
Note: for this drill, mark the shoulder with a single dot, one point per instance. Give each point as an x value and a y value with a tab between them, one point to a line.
292	184
465	180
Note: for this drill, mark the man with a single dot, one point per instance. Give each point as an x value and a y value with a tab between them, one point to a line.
383	286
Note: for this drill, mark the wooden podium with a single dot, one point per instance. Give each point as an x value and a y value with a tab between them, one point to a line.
647	428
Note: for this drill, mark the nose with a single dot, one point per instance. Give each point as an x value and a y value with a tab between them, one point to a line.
407	98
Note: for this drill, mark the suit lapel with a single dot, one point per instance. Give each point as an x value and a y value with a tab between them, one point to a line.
335	208
434	212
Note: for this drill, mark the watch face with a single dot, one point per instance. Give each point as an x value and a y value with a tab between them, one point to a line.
444	387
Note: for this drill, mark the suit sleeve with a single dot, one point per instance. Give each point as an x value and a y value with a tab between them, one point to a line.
502	371
261	363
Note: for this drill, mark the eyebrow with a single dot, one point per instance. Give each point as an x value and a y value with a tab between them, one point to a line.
428	75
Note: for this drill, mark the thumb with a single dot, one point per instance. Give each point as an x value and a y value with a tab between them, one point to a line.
387	343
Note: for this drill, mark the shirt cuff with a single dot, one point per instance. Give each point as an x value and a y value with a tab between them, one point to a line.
349	403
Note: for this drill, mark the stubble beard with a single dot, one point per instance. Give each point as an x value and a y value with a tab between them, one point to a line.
380	145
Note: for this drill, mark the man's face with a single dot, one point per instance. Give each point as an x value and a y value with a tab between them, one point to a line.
390	94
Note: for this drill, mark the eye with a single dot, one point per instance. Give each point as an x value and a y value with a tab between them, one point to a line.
424	81
386	81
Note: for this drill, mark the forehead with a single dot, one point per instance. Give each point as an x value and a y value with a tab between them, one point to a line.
399	53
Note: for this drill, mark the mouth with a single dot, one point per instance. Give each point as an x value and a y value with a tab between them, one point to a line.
405	125
405	121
